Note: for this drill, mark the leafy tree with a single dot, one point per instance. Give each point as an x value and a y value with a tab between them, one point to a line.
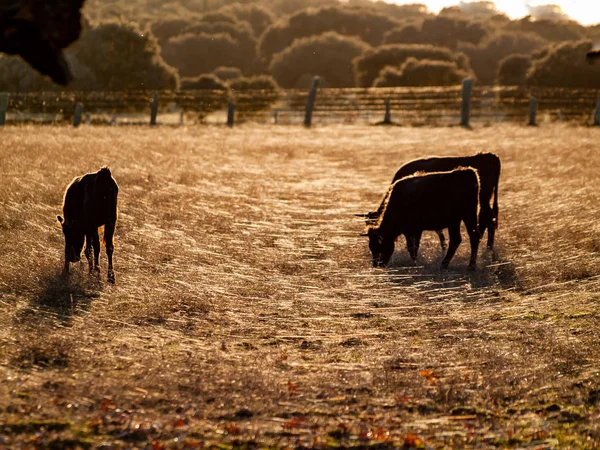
204	81
122	57
165	29
258	16
219	17
364	23
17	76
369	64
479	9
284	8
402	13
195	54
440	31
486	56
109	57
547	12
264	82
564	65
593	33
550	30
423	72
227	73
240	32
329	55
512	70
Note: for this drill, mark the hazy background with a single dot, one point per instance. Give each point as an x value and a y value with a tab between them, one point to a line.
266	44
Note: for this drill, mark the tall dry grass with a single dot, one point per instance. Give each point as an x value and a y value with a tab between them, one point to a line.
246	311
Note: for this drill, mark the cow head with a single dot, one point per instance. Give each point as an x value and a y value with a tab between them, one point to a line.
74	238
381	248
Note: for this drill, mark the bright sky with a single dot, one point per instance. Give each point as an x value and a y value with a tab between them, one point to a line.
586	12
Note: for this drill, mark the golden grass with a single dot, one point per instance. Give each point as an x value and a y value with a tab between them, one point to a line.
246	311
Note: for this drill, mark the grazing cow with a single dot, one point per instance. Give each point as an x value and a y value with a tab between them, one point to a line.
488	168
427	201
90	202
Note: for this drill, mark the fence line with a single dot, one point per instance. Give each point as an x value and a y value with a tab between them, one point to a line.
367	105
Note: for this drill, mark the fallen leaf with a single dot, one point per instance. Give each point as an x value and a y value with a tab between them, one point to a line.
232	429
401	399
381	434
293	388
106	404
412	440
430	375
295	422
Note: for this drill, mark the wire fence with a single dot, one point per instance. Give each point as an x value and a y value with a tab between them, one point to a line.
410	106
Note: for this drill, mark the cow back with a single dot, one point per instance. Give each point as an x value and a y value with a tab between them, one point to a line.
431	201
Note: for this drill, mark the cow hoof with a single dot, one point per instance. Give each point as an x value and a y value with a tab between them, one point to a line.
444	266
111	278
472	266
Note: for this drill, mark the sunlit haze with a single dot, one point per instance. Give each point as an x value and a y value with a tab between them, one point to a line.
586	12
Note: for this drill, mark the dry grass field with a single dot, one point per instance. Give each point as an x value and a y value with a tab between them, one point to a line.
246	312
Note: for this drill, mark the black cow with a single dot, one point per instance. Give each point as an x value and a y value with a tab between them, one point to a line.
488	168
432	201
90	202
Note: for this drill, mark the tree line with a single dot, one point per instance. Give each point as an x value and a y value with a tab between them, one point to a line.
266	44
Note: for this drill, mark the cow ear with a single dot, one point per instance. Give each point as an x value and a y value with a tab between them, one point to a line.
60	220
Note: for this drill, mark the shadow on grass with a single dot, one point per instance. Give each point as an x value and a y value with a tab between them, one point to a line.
61	297
428	279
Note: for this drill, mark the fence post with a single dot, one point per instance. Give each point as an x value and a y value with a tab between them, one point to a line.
560	116
532	111
466	102
275	116
387	119
181	118
597	113
230	114
88	119
310	104
78	115
3	107
154	109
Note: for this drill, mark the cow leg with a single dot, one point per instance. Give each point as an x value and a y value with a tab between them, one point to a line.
491	235
66	269
474	239
109	231
455	240
440	234
88	250
486	222
412	243
96	242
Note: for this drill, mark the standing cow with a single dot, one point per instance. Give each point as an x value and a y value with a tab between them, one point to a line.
90	202
431	201
488	168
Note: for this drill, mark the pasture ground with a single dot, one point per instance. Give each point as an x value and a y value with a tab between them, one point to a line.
247	314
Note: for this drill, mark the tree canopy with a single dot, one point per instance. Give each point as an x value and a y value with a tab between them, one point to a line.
564	65
369	64
423	72
329	56
363	23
